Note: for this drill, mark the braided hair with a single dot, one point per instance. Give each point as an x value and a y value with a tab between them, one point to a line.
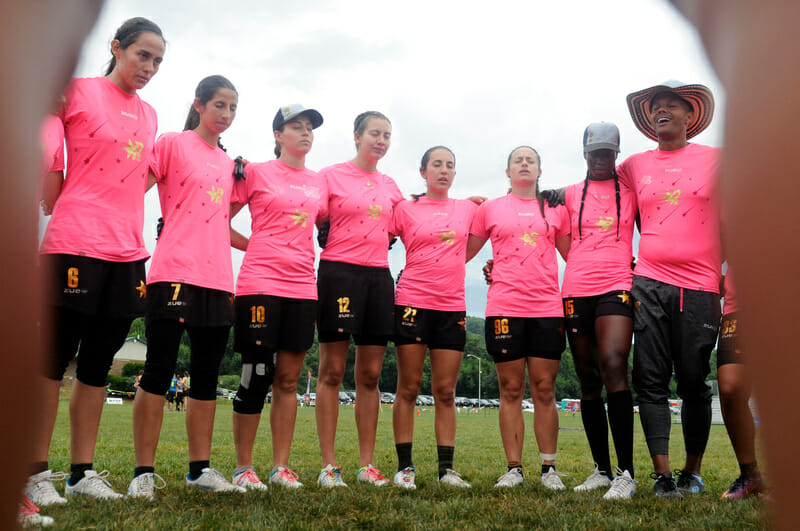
583	197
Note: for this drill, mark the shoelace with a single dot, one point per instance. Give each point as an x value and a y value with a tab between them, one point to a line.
99	481
45	484
620	484
27	507
150	480
287	475
373	473
250	476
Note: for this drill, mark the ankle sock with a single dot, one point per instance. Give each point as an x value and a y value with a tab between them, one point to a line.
196	468
242	469
515	464
77	470
749	470
139	470
445	458
546	468
403	455
39	466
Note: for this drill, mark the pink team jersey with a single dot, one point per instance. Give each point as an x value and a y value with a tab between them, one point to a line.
731	303
51	136
110	135
525	274
598	261
360	204
434	233
676	193
195	185
285	203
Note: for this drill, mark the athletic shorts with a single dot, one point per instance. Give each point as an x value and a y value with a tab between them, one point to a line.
435	328
513	338
266	324
580	313
96	287
357	300
727	348
188	304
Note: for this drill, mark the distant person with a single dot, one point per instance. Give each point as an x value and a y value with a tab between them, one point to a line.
171	390
430	311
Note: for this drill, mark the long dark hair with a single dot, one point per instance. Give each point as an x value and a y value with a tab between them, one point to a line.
424	164
204	92
583	197
361	121
539	198
129	32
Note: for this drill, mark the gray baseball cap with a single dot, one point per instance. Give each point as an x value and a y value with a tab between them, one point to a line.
287	112
600	135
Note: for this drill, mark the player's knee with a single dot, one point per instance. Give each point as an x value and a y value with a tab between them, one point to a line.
444	397
157	374
255	383
204	385
512	391
92	374
408	389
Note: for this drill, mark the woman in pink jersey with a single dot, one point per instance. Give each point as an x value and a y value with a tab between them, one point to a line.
189	284
598	307
356	293
430	310
94	247
276	292
524	314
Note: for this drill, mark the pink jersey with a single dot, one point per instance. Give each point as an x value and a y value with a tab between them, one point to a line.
360	205
525	274
51	136
285	203
731	303
599	261
678	206
110	135
195	185
434	233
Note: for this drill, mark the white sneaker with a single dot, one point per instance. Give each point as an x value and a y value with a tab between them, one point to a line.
40	488
93	485
405	478
283	476
453	479
595	481
249	480
28	515
512	478
331	476
370	474
552	480
213	481
622	488
144	485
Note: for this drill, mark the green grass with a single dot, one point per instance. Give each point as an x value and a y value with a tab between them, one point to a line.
479	458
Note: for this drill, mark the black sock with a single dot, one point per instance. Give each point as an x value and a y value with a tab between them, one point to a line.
77	470
515	464
620	418
196	468
445	458
593	414
39	466
403	456
546	468
749	470
139	470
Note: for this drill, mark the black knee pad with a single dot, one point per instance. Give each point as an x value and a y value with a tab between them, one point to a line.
163	342
102	339
256	381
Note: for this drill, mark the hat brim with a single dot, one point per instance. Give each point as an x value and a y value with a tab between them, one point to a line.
313	115
699	96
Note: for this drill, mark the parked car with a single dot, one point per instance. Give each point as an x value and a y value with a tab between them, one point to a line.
344	398
387	398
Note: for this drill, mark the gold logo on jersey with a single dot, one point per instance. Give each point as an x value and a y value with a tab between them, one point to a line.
142	289
447	237
134	150
605	223
299	217
216	194
530	238
671	198
374	211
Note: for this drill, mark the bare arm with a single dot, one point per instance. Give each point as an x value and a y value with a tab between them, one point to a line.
562	244
474	245
238	240
151	180
51	189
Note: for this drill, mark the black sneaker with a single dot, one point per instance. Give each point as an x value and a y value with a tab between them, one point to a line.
665	487
689	483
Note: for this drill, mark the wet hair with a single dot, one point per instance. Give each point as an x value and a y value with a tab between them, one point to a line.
583	197
361	121
539	198
206	90
129	33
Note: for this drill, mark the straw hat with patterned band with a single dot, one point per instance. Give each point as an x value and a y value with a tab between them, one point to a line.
698	96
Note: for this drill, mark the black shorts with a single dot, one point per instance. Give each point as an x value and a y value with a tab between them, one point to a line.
357	300
266	324
580	313
435	328
728	348
170	396
513	338
96	287
188	304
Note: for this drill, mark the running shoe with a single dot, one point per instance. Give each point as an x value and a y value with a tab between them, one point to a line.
689	483
664	486
595	481
370	474
28	515
405	478
744	487
40	488
281	475
92	485
144	485
331	476
212	480
453	479
552	480
512	478
248	480
623	487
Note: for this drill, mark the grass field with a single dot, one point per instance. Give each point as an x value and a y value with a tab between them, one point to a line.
479	458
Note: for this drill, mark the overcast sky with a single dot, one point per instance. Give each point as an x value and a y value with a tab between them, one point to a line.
479	80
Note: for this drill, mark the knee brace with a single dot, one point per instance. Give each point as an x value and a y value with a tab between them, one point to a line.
103	339
256	381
